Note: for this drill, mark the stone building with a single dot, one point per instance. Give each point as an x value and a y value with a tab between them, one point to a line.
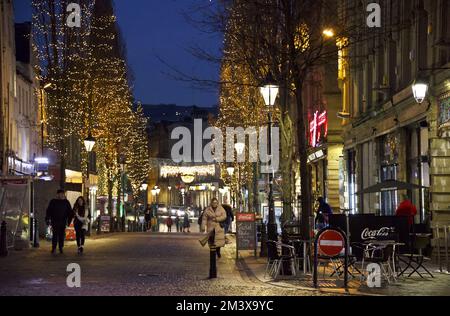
8	91
388	135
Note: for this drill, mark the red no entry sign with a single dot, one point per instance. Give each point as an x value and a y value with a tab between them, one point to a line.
331	243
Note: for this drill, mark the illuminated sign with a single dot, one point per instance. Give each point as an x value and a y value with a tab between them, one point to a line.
317	126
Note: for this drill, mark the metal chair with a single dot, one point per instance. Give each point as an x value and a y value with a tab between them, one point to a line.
416	259
381	255
275	266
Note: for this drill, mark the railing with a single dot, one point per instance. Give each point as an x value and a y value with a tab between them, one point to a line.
441	239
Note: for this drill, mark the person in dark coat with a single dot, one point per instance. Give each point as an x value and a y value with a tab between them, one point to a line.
230	217
81	222
323	213
59	215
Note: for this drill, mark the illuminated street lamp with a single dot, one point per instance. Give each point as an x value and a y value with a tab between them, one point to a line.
230	171
89	143
269	91
420	90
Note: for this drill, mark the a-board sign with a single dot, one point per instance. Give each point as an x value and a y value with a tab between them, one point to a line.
246	231
105	224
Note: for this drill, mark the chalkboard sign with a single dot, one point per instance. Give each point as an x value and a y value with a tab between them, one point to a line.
246	231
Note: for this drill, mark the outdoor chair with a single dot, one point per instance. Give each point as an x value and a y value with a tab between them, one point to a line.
415	260
381	255
275	266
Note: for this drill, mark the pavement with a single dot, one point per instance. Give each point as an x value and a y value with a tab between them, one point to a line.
156	264
404	286
133	264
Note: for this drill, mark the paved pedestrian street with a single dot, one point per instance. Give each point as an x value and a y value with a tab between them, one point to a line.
137	264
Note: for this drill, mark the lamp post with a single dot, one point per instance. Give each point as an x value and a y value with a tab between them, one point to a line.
269	91
89	144
240	147
123	165
230	171
170	195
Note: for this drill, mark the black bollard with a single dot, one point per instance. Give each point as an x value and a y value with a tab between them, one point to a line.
3	242
35	234
212	262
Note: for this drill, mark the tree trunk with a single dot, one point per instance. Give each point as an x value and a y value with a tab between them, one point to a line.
304	169
110	201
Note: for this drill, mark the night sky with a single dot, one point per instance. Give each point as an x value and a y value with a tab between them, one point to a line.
157	28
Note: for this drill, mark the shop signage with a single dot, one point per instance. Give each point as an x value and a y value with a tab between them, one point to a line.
318	128
246	231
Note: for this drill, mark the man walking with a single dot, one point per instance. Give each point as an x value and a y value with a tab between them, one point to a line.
59	215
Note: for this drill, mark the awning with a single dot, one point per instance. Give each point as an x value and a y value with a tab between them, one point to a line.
391	185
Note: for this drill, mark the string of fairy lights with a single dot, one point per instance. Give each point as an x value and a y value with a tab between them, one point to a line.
91	92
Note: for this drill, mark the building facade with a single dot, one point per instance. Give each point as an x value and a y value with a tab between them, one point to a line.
24	123
389	135
8	91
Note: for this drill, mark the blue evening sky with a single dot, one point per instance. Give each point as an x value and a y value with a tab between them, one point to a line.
157	28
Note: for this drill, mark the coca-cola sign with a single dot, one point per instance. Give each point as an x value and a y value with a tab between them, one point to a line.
368	234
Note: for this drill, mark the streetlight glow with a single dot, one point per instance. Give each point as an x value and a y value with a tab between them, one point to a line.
269	90
240	147
89	143
420	90
230	171
328	33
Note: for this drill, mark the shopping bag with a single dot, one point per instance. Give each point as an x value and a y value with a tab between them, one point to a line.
49	233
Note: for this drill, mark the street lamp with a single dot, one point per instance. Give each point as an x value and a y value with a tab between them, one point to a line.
269	91
420	90
240	147
170	195
123	164
89	143
230	171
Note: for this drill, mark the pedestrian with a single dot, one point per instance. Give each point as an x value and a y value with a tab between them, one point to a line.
59	215
169	223
178	223
81	222
186	223
213	220
323	213
230	217
407	209
147	218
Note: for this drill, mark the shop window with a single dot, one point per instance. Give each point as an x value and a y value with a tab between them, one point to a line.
352	185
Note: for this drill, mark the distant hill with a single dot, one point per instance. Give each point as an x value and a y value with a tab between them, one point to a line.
176	113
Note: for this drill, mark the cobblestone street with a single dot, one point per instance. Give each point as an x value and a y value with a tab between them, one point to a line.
132	264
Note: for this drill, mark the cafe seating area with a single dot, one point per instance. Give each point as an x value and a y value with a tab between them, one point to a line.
384	245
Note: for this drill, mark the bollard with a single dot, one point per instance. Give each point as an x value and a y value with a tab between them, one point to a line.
99	226
35	234
3	242
212	262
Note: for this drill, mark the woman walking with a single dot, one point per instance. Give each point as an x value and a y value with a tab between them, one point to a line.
81	222
186	223
213	219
